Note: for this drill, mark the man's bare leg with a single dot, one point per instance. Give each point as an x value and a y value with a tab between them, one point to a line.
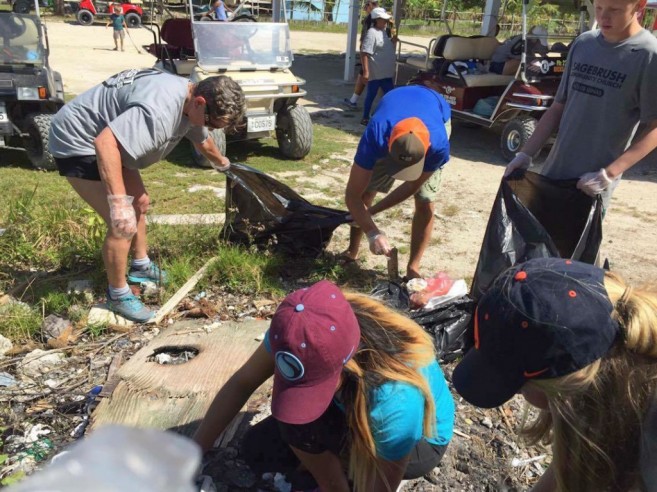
355	234
421	230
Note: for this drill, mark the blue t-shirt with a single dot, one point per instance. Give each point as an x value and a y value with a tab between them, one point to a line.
397	413
220	12
398	104
117	21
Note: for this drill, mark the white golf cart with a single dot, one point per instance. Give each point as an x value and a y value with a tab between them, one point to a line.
257	56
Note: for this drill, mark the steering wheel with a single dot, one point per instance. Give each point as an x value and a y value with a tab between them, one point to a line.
516	49
12	26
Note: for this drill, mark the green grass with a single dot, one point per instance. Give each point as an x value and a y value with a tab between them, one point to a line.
51	231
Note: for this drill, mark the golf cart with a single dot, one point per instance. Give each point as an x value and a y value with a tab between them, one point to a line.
87	11
30	91
456	67
240	13
257	56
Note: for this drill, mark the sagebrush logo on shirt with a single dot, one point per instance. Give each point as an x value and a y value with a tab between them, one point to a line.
599	75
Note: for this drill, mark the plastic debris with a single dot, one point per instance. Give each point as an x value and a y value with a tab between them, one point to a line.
523	462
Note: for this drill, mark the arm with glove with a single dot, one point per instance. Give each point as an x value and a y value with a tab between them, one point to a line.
210	150
596	182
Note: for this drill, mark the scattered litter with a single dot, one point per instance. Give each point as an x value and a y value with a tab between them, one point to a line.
173	355
200	296
90	404
487	422
149	289
40	362
7	380
212	326
84	288
281	484
523	462
5	345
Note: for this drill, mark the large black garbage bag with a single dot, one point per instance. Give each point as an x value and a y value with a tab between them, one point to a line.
261	210
537	217
449	324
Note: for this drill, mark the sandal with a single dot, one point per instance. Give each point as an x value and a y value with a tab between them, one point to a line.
343	259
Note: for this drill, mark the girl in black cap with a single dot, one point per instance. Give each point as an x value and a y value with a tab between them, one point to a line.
359	400
580	345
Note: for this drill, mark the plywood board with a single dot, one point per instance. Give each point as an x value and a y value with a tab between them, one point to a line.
176	397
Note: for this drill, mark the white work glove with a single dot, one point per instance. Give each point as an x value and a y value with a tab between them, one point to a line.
520	161
122	216
594	183
225	164
378	243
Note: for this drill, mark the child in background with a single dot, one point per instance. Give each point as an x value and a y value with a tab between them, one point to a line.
580	345
117	19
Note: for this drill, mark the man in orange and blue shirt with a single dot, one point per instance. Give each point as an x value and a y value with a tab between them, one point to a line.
406	139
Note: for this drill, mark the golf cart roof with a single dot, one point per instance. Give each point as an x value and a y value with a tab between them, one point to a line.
242	45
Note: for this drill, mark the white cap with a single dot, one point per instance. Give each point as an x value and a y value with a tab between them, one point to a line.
379	13
540	33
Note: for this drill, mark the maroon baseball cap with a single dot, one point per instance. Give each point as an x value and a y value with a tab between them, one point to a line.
313	334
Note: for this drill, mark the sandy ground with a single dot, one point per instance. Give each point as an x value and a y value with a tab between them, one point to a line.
83	55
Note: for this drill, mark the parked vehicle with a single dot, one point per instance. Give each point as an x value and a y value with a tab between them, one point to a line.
455	66
203	12
88	11
255	54
30	91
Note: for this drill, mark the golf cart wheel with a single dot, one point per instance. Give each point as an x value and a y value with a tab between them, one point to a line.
294	132
133	20
21	7
515	135
219	138
85	17
244	18
38	128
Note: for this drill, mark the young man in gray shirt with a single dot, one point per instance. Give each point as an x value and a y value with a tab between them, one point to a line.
607	89
101	140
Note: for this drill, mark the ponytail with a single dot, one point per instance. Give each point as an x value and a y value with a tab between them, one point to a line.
596	414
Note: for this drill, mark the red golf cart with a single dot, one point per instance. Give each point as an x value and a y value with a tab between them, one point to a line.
456	67
89	10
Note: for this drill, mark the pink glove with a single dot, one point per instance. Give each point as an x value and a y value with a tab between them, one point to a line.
122	215
520	161
594	183
378	243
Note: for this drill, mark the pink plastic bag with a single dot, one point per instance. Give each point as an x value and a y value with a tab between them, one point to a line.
438	285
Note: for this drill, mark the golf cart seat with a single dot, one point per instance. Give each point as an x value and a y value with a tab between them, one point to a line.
176	45
481	48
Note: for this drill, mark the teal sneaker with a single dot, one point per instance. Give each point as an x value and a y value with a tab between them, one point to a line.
130	307
150	274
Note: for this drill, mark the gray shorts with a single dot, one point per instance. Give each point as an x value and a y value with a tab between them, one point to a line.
382	183
119	34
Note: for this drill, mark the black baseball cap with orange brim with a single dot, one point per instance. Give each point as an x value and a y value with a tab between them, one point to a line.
543	319
408	144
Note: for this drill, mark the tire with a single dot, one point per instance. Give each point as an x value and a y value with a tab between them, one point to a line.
133	20
38	128
85	17
515	135
294	132
244	18
219	138
21	7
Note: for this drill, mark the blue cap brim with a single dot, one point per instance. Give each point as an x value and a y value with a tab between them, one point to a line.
483	384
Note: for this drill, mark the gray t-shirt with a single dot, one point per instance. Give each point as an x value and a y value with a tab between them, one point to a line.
144	110
381	53
607	89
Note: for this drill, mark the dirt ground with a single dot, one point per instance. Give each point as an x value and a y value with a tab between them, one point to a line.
480	456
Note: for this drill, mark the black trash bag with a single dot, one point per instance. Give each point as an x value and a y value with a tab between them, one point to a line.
449	324
261	210
537	217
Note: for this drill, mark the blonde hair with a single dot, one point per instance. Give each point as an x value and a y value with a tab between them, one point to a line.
595	415
392	348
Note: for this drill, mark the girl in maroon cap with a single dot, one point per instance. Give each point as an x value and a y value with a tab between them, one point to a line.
358	400
580	345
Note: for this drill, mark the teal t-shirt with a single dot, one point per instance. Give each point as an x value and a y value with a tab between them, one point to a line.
397	413
117	21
